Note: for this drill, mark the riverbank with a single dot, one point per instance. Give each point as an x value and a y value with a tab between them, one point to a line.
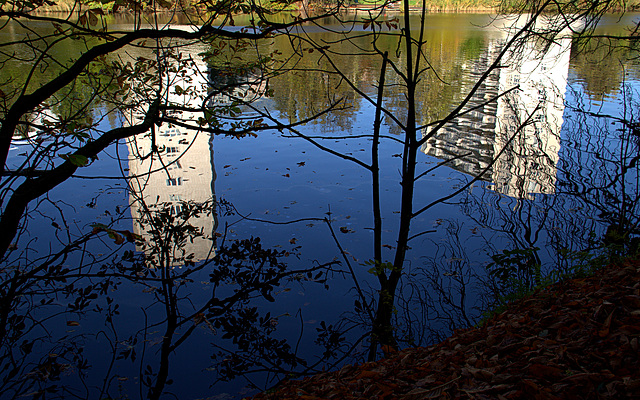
578	339
434	6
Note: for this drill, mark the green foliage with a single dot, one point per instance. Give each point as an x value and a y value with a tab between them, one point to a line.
515	276
518	266
378	267
75	159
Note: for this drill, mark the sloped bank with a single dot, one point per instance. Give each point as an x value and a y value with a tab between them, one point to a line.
577	339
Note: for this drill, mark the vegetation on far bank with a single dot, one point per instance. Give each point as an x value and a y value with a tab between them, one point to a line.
431	5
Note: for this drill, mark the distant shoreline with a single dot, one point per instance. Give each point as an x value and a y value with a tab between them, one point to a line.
66	6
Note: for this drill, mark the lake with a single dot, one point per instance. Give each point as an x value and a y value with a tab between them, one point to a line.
222	263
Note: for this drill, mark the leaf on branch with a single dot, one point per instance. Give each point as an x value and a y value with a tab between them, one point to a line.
93	19
119	236
75	159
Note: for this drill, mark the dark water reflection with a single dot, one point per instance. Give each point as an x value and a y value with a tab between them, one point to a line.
177	323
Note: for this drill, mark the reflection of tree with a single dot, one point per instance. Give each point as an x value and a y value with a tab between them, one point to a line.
606	144
451	54
55	310
591	219
447	50
303	67
604	81
600	64
56	303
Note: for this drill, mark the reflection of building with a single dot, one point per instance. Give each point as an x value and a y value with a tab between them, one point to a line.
182	169
34	126
528	162
474	131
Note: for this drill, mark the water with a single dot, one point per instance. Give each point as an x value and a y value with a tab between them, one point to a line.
552	194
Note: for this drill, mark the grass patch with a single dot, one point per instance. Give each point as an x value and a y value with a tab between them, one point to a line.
515	274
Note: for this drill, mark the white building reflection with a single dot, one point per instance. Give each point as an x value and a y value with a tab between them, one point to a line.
181	170
528	155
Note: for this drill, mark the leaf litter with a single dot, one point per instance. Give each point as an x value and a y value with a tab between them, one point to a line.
577	339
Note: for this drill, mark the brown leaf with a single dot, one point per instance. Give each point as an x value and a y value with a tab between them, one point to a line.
544	371
367	374
604	331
